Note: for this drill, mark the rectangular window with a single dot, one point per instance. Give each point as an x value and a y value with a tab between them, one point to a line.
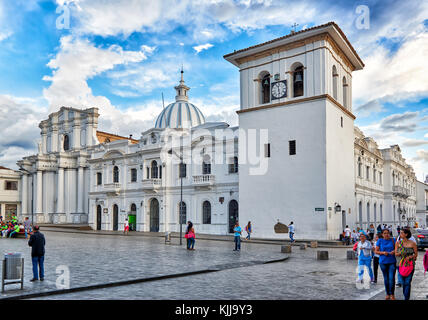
367	172
206	168
267	150
183	170
341	122
374	175
133	175
380	178
11	185
99	178
233	167
292	147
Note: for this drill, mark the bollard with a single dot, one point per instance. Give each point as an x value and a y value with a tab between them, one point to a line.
314	244
303	246
322	255
167	237
350	255
286	249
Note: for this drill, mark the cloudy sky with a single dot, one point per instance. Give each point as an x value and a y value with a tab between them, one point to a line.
121	55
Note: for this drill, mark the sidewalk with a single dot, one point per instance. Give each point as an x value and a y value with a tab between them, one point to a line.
176	235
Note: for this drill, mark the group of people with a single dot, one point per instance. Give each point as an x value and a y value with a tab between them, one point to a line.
392	255
349	236
190	235
10	229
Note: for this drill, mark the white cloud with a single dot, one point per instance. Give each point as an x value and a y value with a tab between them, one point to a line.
202	47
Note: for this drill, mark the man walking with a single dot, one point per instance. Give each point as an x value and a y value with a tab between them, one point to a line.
291	231
347	235
27	225
238	230
37	243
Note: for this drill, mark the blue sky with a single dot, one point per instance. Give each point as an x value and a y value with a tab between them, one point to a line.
121	55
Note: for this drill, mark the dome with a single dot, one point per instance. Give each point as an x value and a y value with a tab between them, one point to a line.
181	113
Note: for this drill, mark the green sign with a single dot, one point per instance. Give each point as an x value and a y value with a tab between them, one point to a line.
319	209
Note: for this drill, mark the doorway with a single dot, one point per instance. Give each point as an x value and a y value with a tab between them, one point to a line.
99	217
233	214
154	215
115	217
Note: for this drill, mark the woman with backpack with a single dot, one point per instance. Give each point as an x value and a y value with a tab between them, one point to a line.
385	248
407	251
364	251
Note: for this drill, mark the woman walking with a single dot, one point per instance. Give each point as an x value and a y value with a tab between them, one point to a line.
407	251
190	236
364	250
248	228
385	248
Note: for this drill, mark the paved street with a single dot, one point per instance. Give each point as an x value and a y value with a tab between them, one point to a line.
97	259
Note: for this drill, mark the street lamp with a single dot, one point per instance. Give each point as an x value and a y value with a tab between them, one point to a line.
32	193
181	192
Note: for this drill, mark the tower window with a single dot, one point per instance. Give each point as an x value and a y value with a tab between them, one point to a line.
345	93
292	147
266	89
335	76
298	82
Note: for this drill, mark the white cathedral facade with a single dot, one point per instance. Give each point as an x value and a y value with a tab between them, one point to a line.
296	156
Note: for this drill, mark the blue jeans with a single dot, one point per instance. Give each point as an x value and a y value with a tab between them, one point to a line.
407	281
237	243
38	262
367	262
399	277
291	236
190	243
388	271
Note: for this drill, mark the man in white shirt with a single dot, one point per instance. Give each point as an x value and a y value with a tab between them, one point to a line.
347	235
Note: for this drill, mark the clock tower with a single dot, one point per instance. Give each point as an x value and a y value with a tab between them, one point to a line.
298	90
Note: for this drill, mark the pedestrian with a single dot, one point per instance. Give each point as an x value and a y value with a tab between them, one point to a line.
347	235
37	243
248	229
379	229
291	231
407	251
190	236
371	232
354	236
364	251
399	277
126	228
27	227
376	258
237	232
385	248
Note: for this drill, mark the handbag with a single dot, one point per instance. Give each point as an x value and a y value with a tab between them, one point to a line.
405	269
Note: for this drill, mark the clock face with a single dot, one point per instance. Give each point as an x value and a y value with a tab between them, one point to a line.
279	89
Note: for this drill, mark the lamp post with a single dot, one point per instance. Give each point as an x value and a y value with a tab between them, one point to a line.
181	192
32	194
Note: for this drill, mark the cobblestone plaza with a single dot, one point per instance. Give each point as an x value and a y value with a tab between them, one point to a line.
96	259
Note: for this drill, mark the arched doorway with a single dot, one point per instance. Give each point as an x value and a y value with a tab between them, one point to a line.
115	217
233	214
154	215
132	218
99	217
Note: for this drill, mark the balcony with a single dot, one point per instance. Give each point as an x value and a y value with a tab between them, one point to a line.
112	188
400	191
152	184
204	180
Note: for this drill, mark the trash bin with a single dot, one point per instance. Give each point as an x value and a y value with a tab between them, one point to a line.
13	266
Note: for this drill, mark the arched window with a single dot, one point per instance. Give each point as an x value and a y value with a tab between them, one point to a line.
115	174
335	76
360	213
182	212
298	82
345	93
66	143
265	89
359	167
154	170
206	212
206	165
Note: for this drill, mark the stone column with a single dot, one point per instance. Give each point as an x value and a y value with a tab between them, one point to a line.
60	191
80	189
39	192
24	195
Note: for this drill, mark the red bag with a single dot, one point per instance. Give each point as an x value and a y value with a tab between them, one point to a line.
355	246
189	235
406	269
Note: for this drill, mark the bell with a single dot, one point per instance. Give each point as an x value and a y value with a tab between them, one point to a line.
298	78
